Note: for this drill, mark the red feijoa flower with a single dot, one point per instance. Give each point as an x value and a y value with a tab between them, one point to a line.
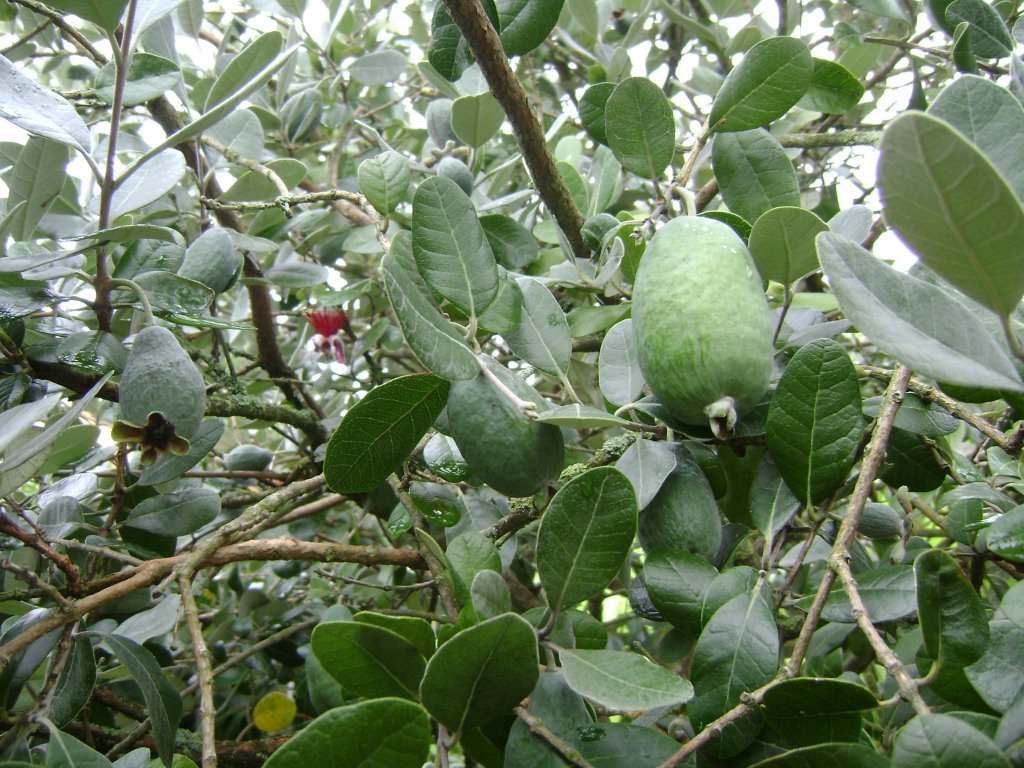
327	321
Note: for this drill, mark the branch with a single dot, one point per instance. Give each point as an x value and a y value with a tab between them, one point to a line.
204	673
567	752
487	49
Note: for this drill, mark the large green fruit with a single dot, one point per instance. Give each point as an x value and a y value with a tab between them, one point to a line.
160	377
702	326
212	260
511	453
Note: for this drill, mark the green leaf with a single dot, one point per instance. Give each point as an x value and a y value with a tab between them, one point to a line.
754	173
178	513
156	178
448	52
827	756
380	67
367	660
561	709
414	629
296	274
807	710
953	208
991	118
617	745
75	684
998	676
24	663
36	179
450	248
618	365
525	24
430	336
770	79
772	503
102	13
677	583
585	536
622	680
647	464
173	293
505	312
737	652
890	9
952	617
383	733
917	416
1005	536
542	338
253	185
833	89
148	78
490	594
39	110
513	245
244	68
782	243
592	108
469	554
384	180
481	673
914	321
380	431
475	119
65	751
989	36
640	127
580	417
936	740
814	420
163	703
888	592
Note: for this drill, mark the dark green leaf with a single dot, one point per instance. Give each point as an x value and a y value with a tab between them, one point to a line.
176	514
914	321
481	673
65	751
617	745
754	173
380	431
833	89
952	617
622	680
814	421
1005	536
75	684
25	662
368	660
640	127
953	208
148	78
937	740
244	67
772	503
806	710
525	24
383	733
585	535
561	709
253	185
489	594
542	338
998	676
888	593
469	554
647	464
414	629
772	77
827	756
620	377
989	36
448	51
35	180
782	243
592	108
677	583
450	248
513	245
384	180
505	312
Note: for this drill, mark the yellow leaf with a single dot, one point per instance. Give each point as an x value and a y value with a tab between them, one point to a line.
274	712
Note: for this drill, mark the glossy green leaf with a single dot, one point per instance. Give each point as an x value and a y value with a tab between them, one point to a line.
772	503
414	629
379	67
952	617
647	464
833	89
827	756
178	513
754	173
102	13
380	431
585	535
990	38
481	673
148	78
40	111
677	583
915	322
450	248
938	740
592	107
75	684
640	127
542	338
475	119
889	594
618	745
430	336
989	117
448	52
1005	536
35	180
737	652
738	580
65	751
770	79
384	180
513	245
382	733
814	421
244	67
368	660
163	702
782	243
953	208
622	680
581	417
807	710
619	374
172	293
525	24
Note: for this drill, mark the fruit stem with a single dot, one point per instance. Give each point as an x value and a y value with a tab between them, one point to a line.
525	407
722	417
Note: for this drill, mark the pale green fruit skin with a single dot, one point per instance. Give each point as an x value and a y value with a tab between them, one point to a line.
212	260
160	376
251	458
701	321
512	454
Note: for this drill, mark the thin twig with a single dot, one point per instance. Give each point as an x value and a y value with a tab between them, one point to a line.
204	673
567	752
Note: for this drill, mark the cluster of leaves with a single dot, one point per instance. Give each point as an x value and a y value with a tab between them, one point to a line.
323	548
